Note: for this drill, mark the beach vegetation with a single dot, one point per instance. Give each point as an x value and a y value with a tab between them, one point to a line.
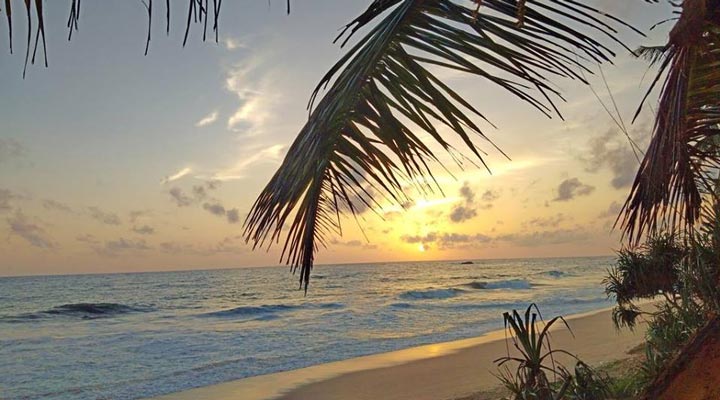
679	272
537	374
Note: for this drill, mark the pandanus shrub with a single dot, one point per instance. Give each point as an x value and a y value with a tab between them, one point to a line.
537	374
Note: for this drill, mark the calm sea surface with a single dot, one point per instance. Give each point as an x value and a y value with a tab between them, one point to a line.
130	336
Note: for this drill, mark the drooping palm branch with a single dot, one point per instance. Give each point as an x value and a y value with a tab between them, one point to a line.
372	131
680	168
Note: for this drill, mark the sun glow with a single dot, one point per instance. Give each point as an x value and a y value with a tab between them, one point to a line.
421	248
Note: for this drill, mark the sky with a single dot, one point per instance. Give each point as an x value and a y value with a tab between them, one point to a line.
111	161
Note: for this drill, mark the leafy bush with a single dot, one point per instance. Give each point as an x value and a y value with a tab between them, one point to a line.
681	269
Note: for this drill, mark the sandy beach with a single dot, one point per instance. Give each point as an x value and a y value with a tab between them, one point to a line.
432	372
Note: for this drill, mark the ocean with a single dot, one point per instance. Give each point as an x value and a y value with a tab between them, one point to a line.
137	335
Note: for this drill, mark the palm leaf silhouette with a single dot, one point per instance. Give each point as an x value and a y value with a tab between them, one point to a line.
371	132
680	168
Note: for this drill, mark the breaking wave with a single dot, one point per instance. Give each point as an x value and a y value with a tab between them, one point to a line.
268	309
506	284
431	294
81	310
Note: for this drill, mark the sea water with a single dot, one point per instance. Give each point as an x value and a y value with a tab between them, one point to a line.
131	336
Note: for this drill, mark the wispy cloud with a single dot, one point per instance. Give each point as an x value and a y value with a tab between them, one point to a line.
253	83
270	154
135	215
552	221
456	240
232	43
207	120
54	205
30	231
176	175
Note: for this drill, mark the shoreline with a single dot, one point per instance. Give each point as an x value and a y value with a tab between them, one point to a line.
448	370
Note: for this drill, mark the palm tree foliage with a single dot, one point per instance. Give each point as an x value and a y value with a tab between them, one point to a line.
680	169
386	106
372	131
198	11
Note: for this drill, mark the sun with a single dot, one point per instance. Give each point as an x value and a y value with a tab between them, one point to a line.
421	248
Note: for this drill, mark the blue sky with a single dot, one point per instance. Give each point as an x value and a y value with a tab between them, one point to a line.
115	161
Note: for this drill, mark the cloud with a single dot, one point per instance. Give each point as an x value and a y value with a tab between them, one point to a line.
10	149
54	205
546	237
468	208
462	213
107	218
207	120
144	230
215	209
200	192
455	240
134	215
233	216
607	151
31	232
6	196
231	43
571	188
465	210
548	222
612	211
490	195
271	154
251	82
177	248
467	193
87	238
183	172
179	197
354	243
229	244
112	248
447	240
121	245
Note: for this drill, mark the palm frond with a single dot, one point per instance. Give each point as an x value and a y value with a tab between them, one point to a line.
199	11
372	130
679	170
652	54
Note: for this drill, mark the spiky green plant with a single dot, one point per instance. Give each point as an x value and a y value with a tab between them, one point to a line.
587	384
530	336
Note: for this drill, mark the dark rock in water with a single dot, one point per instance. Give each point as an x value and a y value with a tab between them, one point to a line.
467	263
